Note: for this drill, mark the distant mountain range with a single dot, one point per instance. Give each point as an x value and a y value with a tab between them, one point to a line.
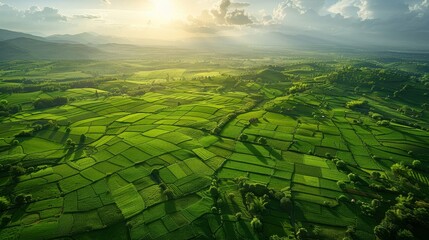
27	48
23	46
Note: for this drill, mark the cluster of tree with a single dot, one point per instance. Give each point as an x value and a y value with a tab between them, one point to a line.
407	111
298	87
401	91
37	126
32	86
42	103
225	120
261	140
6	109
54	87
407	219
357	105
367	77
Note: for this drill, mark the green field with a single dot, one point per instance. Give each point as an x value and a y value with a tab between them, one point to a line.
196	149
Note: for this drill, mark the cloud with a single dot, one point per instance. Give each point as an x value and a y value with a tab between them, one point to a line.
238	17
220	17
32	15
377	9
46	14
220	11
87	16
239	5
32	19
107	2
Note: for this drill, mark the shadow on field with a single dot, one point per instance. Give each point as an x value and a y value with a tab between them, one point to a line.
170	206
65	137
53	133
247	233
233	207
273	152
229	229
255	152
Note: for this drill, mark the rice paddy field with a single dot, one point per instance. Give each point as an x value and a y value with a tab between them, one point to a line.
200	149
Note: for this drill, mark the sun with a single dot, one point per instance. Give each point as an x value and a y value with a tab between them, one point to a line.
163	10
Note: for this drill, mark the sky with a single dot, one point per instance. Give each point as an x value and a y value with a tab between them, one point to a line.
399	21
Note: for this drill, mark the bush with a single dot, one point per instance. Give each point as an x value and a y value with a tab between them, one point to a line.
4	204
231	196
5	220
417	163
352	177
238	215
214	192
20	199
343	198
341	184
341	164
16	171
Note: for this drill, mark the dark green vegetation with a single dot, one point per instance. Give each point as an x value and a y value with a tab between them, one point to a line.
287	148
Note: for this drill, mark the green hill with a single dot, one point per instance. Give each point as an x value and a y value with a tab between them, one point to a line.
25	48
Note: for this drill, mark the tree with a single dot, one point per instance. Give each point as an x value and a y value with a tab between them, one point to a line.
168	193
257	206
244	137
154	173
399	169
214	192
341	184
302	233
404	234
375	175
256	224
262	140
82	138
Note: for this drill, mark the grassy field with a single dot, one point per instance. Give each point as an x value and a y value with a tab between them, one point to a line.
199	150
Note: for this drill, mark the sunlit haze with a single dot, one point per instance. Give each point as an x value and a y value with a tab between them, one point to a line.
393	22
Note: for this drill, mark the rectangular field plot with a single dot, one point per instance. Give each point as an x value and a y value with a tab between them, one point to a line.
128	200
174	137
366	162
203	153
198	167
73	183
227	173
248	167
133	173
135	155
251	159
306	180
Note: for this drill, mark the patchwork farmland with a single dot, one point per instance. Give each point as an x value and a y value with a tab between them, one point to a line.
206	152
